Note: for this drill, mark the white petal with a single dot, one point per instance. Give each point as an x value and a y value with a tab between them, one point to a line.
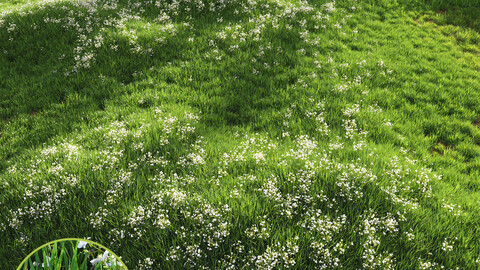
105	255
81	244
103	258
97	260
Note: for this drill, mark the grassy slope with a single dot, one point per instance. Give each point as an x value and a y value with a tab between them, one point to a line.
419	94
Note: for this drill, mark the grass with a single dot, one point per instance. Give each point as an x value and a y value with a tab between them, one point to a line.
70	254
242	134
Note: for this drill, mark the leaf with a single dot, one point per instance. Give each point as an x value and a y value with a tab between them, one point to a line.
84	264
73	263
44	254
53	258
29	263
58	265
66	257
37	257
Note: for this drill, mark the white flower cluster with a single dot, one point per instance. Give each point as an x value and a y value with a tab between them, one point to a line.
116	133
268	260
319	116
259	157
456	210
174	254
255	148
326	228
427	265
270	190
259	232
177	197
97	220
329	7
352	110
305	148
447	245
371	259
162	221
145	264
43	202
138	216
277	256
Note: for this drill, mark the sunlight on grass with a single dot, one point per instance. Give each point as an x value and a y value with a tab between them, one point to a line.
242	134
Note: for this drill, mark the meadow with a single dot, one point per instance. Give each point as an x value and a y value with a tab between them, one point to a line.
243	134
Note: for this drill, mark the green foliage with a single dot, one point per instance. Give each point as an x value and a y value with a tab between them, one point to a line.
68	254
241	134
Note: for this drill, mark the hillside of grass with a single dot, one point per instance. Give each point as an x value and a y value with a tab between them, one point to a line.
243	134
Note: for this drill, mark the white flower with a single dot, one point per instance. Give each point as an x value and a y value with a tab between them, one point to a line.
100	259
81	244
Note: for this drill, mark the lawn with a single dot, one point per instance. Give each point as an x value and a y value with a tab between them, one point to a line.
243	134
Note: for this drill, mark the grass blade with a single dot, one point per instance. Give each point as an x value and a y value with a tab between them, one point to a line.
45	262
84	263
58	265
29	263
37	257
73	262
53	257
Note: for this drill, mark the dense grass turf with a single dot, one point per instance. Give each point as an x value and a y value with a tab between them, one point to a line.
243	134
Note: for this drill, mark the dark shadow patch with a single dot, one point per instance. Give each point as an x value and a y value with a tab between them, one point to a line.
463	13
476	122
441	148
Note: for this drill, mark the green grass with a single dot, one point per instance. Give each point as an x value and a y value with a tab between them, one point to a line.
72	255
264	135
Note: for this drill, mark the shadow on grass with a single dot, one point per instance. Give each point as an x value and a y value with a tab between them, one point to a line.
42	97
462	13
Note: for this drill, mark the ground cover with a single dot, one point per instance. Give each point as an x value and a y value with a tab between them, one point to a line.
242	134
